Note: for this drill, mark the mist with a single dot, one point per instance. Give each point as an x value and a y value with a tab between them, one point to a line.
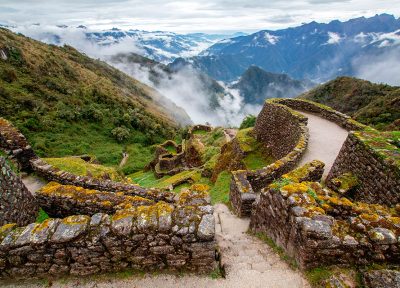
186	89
383	68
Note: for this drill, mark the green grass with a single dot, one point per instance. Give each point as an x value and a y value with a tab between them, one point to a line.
220	190
257	159
42	216
200	132
144	179
139	156
278	250
216	274
80	167
317	276
171	149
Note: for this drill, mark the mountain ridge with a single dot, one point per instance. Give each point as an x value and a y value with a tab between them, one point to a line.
316	51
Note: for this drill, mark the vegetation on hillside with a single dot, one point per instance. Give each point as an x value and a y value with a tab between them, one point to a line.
372	104
69	104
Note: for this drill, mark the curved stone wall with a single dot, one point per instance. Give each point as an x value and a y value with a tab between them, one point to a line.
17	205
323	111
285	134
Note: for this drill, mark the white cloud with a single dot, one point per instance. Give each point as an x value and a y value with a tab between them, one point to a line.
382	68
334	38
190	15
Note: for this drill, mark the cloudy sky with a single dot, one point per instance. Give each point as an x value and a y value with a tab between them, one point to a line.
189	15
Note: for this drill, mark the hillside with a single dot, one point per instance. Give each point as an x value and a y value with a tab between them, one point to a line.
67	103
161	76
317	51
369	103
256	85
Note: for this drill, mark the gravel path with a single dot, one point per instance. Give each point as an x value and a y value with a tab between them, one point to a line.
326	139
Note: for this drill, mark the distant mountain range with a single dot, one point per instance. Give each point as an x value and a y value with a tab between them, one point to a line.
158	45
311	51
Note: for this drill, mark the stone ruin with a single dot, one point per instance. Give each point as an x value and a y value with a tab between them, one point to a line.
98	226
185	156
351	219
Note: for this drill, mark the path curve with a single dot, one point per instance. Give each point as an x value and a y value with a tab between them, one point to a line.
326	140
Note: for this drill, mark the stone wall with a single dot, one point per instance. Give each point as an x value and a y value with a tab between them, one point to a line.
65	200
323	111
15	145
279	128
177	236
199	127
377	170
318	227
53	174
17	205
285	134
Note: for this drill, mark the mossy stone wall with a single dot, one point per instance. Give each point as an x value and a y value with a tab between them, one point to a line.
378	178
17	205
177	236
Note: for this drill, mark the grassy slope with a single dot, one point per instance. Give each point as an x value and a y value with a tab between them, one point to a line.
68	104
372	104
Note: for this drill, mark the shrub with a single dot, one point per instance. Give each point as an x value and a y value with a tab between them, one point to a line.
120	133
248	122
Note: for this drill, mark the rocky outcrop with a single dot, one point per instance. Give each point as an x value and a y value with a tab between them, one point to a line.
17	205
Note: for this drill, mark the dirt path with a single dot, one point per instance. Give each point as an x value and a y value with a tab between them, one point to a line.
33	183
326	139
125	157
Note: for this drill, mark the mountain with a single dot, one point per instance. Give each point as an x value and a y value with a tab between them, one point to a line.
369	103
256	85
158	45
67	103
313	51
174	81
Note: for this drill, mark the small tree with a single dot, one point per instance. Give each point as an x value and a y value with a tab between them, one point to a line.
121	133
248	122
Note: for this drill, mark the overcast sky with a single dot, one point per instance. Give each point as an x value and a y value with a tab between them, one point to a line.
189	15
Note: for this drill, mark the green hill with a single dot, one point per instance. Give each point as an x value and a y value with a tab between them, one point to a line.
67	103
372	104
